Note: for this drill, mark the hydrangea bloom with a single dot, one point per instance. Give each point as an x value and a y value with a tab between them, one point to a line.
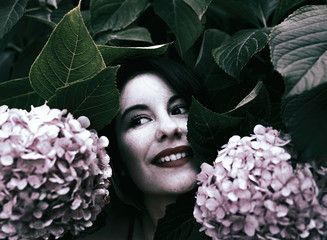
53	173
252	192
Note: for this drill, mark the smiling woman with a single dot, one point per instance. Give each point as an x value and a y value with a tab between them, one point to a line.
154	163
151	134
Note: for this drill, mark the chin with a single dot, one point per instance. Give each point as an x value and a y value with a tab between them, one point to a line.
183	184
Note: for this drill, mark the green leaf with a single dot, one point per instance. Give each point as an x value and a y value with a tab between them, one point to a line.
137	34
182	20
299	49
8	37
97	98
252	95
27	56
214	78
212	38
69	56
199	6
305	117
179	223
18	93
257	103
113	55
208	131
256	12
7	60
40	19
63	8
10	12
237	51
114	14
283	7
221	100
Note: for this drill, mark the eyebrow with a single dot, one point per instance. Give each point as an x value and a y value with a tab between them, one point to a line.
145	107
132	108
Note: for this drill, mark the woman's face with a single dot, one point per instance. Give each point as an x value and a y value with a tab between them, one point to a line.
151	131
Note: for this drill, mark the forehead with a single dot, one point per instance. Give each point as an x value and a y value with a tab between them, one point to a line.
145	85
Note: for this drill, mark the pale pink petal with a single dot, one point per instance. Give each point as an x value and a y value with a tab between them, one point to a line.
103	142
227	186
8	228
250	225
6	160
281	210
220	213
3	117
84	121
274	229
271	205
276	184
63	191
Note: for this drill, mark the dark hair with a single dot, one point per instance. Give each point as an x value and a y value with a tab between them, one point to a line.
182	80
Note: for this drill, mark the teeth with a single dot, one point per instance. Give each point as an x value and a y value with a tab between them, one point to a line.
173	157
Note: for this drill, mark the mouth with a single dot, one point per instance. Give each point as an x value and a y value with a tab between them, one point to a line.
173	157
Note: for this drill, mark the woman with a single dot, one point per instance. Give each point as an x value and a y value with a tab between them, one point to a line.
155	162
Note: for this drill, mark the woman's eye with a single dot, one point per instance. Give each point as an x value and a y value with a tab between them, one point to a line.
138	120
180	109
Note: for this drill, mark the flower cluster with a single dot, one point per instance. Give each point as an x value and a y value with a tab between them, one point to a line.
54	173
253	192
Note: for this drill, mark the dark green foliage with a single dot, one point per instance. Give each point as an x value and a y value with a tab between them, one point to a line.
261	61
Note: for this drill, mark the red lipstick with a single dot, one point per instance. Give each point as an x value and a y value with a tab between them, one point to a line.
173	157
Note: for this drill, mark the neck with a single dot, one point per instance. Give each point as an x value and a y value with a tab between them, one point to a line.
155	206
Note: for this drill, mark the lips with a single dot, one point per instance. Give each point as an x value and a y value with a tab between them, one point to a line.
173	157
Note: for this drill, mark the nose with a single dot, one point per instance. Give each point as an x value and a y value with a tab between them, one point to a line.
168	128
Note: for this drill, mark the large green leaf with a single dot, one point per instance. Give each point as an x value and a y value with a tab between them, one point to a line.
114	14
113	55
257	12
283	7
7	38
18	93
64	7
10	12
208	131
179	222
69	56
42	20
27	56
257	103
182	20
221	100
305	117
212	38
199	6
97	98
136	34
237	51
7	60
299	49
213	77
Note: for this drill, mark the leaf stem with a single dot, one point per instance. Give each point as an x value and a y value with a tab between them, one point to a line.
15	47
263	18
38	9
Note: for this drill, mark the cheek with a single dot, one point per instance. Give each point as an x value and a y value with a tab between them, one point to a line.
133	148
182	123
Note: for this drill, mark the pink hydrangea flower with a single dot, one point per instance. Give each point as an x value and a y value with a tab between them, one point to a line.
54	173
253	192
